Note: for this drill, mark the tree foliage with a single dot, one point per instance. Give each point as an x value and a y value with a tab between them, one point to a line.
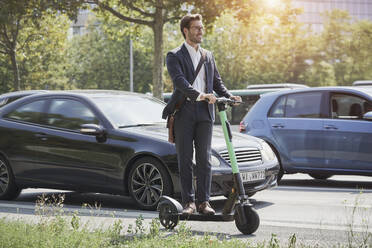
100	59
22	23
271	48
346	46
156	13
252	44
34	57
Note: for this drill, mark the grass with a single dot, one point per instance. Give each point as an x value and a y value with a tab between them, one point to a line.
363	214
58	232
58	229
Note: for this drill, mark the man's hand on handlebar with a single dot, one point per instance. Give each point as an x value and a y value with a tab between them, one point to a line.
210	98
237	99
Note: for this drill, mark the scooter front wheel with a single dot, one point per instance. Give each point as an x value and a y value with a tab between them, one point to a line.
168	215
252	221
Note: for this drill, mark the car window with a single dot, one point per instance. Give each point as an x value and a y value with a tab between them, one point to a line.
30	112
300	105
69	114
3	101
344	106
278	108
304	105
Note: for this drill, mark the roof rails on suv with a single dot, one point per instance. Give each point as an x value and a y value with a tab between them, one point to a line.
276	86
363	83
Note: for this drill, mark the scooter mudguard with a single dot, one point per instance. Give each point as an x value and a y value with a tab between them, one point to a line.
170	201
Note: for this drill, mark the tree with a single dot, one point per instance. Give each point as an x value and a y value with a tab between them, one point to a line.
345	44
271	48
5	75
42	61
156	13
361	51
16	17
100	58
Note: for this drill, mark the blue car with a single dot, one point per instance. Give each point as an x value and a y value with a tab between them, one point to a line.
320	131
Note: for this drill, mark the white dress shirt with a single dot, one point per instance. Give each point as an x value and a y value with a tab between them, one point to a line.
199	83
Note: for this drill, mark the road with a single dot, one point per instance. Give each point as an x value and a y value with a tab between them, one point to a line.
317	212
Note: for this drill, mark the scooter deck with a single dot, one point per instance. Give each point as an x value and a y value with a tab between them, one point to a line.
203	217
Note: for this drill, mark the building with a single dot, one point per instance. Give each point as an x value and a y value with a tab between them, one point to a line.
79	27
358	10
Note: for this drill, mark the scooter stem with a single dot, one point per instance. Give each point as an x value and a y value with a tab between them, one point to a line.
237	192
228	140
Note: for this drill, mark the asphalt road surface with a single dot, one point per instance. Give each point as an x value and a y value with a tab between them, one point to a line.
327	213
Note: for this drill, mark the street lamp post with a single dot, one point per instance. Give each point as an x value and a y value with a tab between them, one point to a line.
131	65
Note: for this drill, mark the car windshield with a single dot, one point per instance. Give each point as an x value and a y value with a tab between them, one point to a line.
127	110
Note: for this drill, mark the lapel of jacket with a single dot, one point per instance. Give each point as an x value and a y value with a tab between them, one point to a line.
187	57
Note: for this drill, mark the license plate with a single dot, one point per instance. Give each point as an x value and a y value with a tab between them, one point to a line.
252	176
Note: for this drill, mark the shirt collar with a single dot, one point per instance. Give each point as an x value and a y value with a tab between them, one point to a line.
191	50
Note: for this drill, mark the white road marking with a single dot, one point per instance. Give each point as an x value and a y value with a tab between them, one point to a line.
297	188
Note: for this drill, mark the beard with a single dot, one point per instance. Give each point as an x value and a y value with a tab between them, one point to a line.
196	39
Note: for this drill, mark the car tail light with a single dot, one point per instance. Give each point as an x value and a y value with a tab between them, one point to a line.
242	127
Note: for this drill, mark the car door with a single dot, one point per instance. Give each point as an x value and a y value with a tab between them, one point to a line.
69	157
297	126
349	143
21	136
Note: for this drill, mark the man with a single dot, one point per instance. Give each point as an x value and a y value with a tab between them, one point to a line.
194	120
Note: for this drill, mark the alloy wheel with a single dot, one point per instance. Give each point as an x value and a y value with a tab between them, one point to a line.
4	177
147	184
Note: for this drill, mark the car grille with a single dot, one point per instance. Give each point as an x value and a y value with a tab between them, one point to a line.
243	155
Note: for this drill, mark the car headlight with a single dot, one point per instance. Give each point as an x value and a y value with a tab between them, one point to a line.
214	161
267	152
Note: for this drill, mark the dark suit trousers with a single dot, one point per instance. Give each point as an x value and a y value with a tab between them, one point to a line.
193	128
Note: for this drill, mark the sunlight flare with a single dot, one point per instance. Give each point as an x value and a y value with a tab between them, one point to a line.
272	3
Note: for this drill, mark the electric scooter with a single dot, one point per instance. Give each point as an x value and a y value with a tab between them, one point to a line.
237	206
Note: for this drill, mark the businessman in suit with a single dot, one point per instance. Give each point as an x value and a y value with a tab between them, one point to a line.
194	120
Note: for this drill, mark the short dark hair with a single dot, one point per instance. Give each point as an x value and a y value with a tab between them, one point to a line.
187	19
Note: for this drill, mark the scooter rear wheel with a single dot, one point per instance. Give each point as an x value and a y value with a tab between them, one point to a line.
168	215
252	221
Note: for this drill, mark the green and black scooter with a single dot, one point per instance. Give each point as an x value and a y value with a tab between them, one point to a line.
237	207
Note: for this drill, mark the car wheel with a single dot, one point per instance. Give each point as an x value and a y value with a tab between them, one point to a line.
280	174
8	188
320	176
281	171
148	180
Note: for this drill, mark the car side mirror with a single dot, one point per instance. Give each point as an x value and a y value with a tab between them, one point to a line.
368	116
92	129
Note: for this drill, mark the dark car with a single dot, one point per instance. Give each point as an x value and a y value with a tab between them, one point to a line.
110	142
321	131
10	97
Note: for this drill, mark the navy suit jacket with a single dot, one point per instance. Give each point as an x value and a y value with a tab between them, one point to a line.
182	72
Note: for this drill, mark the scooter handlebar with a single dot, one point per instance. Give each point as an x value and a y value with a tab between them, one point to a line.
227	101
